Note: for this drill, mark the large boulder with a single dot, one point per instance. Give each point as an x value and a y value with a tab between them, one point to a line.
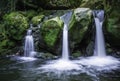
113	29
50	31
112	25
13	29
37	20
16	25
80	27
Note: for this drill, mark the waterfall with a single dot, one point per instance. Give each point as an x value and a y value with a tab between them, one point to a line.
99	40
29	44
64	63
65	51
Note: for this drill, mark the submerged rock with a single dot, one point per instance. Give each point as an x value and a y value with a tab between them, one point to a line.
112	27
45	56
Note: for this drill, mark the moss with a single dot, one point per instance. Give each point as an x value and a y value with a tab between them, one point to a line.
112	28
79	29
15	22
12	32
79	24
37	19
112	25
50	30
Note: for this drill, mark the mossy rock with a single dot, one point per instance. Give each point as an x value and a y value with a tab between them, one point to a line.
113	29
37	20
15	25
50	30
12	32
79	24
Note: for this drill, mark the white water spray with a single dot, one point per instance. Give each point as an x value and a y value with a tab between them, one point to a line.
99	61
99	41
64	63
65	49
29	45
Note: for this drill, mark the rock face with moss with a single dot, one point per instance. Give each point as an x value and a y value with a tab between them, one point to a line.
13	30
37	20
112	29
16	24
79	27
50	32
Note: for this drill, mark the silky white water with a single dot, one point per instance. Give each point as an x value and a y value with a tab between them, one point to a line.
29	44
65	52
98	62
63	64
65	49
99	40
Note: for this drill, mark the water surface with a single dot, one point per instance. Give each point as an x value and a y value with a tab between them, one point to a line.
19	70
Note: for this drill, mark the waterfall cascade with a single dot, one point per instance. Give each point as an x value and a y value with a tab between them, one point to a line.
99	41
65	49
64	63
29	44
100	61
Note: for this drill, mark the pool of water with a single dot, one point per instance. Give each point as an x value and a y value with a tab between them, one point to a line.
12	69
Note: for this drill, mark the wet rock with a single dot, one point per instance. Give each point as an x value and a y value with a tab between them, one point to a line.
37	20
50	30
112	29
15	22
80	28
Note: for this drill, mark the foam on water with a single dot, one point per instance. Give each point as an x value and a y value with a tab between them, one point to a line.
99	63
61	65
26	58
